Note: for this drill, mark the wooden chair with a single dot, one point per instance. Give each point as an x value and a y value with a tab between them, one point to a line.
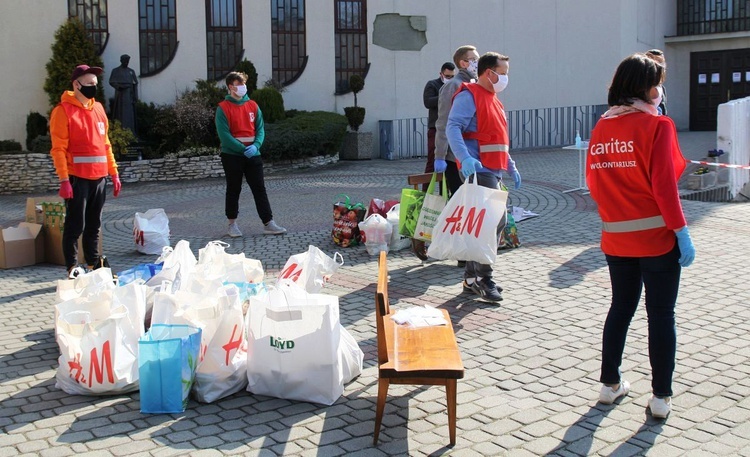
414	356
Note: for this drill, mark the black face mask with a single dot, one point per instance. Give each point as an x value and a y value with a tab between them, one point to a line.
87	91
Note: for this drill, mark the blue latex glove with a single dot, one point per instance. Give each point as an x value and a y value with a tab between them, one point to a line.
251	151
516	179
440	165
687	250
469	166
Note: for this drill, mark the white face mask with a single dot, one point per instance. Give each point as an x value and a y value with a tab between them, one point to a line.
240	90
657	101
472	69
501	84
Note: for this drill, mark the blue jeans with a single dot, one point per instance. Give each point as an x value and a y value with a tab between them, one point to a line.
661	278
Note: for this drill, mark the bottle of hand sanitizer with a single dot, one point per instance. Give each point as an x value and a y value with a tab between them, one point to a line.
578	139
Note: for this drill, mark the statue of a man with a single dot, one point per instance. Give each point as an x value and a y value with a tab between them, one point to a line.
125	83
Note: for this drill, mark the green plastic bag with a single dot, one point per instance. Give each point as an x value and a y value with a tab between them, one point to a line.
410	206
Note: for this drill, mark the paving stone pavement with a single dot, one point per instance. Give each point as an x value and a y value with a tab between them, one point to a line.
532	363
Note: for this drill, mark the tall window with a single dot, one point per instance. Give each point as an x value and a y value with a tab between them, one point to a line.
223	36
351	41
93	15
157	30
288	40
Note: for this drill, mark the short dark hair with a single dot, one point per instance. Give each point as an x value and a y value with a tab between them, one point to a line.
633	79
490	60
235	76
447	66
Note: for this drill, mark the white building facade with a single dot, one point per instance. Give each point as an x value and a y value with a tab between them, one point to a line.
562	52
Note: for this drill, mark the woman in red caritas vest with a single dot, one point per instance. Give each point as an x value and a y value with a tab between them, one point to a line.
633	164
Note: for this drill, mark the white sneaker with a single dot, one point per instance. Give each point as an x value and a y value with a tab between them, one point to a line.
272	228
234	230
660	407
608	395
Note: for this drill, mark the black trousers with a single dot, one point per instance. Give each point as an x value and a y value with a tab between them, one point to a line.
237	167
83	215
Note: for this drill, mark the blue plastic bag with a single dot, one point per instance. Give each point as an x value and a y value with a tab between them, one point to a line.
143	271
167	359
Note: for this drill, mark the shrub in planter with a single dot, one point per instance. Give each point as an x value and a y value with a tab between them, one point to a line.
307	134
10	145
355	114
36	125
271	104
120	138
41	144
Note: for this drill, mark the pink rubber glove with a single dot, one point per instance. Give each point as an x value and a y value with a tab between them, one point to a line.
66	190
118	185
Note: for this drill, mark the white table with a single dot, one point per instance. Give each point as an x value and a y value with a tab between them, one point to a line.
581	167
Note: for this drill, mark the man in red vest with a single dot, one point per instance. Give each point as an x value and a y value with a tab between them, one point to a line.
83	158
477	131
239	123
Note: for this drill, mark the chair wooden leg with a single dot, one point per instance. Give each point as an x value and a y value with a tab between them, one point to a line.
450	394
382	394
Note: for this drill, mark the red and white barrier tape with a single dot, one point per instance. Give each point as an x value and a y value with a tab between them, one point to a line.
722	165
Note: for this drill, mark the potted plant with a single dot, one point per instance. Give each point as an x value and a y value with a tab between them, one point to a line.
357	145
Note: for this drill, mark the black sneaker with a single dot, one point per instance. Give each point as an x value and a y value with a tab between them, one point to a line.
468	289
487	290
76	271
461	264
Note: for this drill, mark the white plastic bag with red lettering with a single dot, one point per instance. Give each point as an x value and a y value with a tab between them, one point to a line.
310	270
98	334
151	231
467	226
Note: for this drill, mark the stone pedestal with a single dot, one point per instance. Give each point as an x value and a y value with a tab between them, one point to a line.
356	146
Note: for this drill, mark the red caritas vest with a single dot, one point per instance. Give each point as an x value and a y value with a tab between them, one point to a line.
618	174
492	127
87	148
241	119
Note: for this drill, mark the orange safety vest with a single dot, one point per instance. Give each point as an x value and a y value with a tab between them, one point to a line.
618	176
492	127
87	147
241	120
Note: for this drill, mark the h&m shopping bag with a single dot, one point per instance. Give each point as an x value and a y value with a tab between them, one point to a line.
167	360
310	270
293	343
432	206
410	206
346	219
151	231
467	226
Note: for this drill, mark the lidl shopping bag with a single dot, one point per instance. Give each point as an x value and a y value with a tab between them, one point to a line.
293	342
410	205
167	360
97	334
467	226
151	231
310	270
346	217
432	206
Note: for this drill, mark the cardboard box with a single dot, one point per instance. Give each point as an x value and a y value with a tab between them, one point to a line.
21	246
50	213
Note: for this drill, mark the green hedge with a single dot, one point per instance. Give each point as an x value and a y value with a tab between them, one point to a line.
306	134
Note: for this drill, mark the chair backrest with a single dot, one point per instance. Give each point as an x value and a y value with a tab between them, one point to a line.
382	306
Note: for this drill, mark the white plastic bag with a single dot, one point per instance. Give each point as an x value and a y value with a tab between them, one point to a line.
214	262
310	270
376	233
97	335
151	231
293	342
397	241
467	226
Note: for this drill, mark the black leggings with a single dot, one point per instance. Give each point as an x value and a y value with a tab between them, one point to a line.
237	167
83	215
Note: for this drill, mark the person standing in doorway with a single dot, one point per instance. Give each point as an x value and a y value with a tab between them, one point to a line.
82	156
239	123
477	130
430	98
633	164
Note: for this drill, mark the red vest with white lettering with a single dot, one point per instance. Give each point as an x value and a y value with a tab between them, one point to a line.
241	119
87	147
618	175
492	127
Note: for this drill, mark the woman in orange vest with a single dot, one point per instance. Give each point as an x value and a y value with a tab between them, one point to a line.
633	164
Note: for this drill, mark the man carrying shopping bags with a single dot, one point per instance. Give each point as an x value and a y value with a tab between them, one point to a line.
477	131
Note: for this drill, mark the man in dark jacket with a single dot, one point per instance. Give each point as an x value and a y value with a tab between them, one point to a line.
430	97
